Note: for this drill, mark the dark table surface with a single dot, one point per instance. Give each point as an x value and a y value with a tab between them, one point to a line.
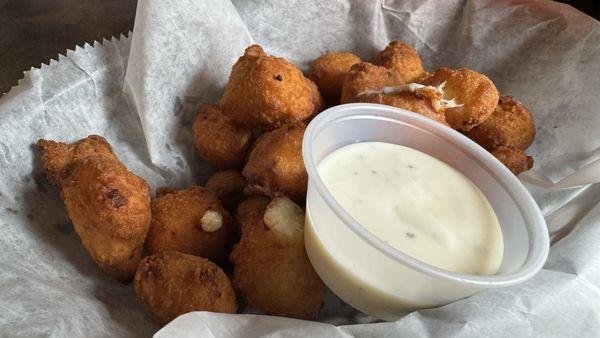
35	31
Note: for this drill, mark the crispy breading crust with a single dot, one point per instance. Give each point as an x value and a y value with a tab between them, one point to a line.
366	76
250	211
275	166
328	72
177	225
108	205
228	186
514	159
219	141
510	125
401	59
266	91
272	271
476	93
171	283
409	101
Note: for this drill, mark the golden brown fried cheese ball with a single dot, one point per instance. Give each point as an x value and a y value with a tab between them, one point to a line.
328	72
219	141
171	283
275	166
272	271
365	76
266	91
191	221
228	186
510	125
401	59
108	205
476	95
514	159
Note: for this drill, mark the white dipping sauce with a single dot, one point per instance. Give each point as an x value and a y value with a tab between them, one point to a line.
417	204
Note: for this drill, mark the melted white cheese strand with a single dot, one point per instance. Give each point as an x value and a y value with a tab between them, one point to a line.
413	88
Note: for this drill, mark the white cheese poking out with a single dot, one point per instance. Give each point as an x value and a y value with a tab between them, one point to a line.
284	217
211	221
417	88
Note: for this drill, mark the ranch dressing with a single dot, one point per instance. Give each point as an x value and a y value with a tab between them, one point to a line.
417	204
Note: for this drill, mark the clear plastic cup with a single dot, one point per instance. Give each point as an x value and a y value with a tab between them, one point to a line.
376	278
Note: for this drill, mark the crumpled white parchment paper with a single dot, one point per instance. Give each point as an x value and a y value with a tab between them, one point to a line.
141	94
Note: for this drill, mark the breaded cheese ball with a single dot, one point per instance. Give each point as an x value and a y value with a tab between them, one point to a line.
401	59
228	186
108	205
171	283
272	271
266	91
328	72
476	95
365	76
275	166
514	159
510	125
191	221
219	141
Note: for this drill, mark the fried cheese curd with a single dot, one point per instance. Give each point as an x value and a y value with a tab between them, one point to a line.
228	186
476	96
328	72
514	159
191	221
171	283
219	141
108	205
510	125
403	60
266	91
275	166
272	271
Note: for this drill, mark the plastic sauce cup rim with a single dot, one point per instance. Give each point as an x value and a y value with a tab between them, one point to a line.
539	238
